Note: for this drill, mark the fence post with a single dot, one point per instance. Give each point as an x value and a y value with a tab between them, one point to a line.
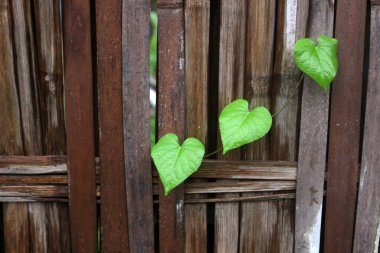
171	114
344	135
136	110
80	125
368	208
114	220
313	142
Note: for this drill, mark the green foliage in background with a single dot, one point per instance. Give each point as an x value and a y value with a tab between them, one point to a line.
153	43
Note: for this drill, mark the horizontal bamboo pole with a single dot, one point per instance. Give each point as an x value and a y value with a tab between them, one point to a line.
44	178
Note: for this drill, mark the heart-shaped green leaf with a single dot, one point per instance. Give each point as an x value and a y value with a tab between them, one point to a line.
238	126
175	163
319	62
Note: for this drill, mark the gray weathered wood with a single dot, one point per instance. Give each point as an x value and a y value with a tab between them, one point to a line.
313	142
367	225
197	15
291	25
136	113
231	85
258	77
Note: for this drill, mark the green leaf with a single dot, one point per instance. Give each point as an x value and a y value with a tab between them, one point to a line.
319	62
175	163
238	126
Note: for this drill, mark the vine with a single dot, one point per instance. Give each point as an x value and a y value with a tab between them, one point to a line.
239	126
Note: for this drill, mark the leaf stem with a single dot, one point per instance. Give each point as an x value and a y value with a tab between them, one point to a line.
216	151
292	93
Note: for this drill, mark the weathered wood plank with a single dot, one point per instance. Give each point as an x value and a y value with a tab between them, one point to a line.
32	161
114	219
228	186
15	216
136	109
50	82
80	130
171	114
26	76
34	191
291	25
258	77
344	132
231	85
47	25
23	43
197	14
313	142
367	225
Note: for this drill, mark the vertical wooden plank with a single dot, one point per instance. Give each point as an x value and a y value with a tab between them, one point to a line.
79	122
29	109
291	25
136	109
313	142
16	219
367	225
50	82
47	24
114	220
344	135
26	76
257	220
171	114
231	85
197	15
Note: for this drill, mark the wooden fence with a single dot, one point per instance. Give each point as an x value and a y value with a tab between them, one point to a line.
75	170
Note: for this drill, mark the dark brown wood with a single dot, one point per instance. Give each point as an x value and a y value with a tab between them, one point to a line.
114	219
171	114
197	15
367	225
136	109
231	84
313	142
259	44
344	133
80	130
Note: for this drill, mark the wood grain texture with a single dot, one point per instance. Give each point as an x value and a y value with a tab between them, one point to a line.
291	25
197	15
257	79
15	216
50	79
313	142
231	85
136	110
114	221
80	130
171	115
29	109
47	25
367	225
344	132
